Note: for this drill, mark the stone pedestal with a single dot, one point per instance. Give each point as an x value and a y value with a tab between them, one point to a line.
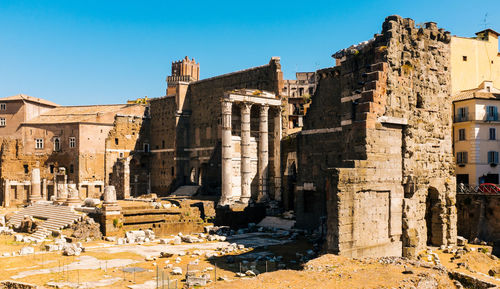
62	194
73	196
246	171
110	212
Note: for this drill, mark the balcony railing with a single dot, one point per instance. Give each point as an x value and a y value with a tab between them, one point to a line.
462	118
472	117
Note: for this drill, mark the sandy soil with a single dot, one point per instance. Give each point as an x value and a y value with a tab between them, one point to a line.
102	264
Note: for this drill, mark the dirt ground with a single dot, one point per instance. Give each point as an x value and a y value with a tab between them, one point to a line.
331	271
102	262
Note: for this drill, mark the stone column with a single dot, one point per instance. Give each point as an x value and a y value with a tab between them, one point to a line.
246	172
109	195
263	161
6	193
227	154
126	179
55	194
44	189
36	192
277	154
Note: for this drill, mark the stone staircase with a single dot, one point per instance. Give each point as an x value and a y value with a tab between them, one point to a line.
56	218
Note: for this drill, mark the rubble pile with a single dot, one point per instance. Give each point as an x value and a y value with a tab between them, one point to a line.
86	229
28	225
135	237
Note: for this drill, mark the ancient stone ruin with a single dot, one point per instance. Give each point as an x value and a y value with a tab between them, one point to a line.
375	154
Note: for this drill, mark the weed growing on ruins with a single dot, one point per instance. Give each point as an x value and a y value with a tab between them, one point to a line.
117	223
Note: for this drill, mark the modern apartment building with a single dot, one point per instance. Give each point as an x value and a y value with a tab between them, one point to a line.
476	126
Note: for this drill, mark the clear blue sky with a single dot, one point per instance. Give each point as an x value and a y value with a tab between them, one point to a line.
95	52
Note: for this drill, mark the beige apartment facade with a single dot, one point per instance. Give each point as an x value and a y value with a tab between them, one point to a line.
474	60
475	132
475	78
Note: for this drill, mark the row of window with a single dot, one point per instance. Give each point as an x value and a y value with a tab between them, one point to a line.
39	144
462	157
491	113
492	134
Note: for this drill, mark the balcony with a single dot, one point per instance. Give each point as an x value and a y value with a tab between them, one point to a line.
463	117
492	117
472	117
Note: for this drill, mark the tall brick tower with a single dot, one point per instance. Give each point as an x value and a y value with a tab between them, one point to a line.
183	72
186	67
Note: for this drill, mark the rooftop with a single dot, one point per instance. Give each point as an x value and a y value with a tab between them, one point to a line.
484	91
24	97
72	114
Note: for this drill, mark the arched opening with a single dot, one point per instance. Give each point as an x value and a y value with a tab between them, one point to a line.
432	219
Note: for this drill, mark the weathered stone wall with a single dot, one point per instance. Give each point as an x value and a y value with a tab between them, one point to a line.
375	152
186	144
127	155
419	89
16	167
163	142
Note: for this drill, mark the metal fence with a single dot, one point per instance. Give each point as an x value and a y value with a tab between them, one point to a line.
483	189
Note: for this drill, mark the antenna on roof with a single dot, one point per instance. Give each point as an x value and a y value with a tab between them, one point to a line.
485	22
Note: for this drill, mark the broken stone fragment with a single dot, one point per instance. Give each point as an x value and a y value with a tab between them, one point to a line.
71	250
461	241
494	271
177	240
407	270
26	251
110	239
18	238
250	273
165	255
176	271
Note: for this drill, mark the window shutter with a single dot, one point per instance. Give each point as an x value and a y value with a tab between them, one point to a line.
495	113
496	157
